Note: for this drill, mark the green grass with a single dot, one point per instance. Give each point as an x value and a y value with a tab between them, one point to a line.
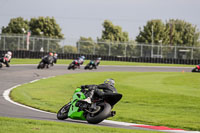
155	98
62	61
16	125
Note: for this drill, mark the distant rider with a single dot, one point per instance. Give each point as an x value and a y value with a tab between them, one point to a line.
55	57
48	59
97	62
80	61
6	58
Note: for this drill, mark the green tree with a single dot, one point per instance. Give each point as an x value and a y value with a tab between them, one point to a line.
181	33
174	32
153	32
69	49
45	27
113	33
112	40
86	45
16	26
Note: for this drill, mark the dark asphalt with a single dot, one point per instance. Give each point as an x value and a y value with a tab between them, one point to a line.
19	74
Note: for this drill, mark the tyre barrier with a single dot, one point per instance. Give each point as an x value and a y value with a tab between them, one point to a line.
38	55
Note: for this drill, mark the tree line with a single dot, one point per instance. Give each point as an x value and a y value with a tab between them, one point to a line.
173	32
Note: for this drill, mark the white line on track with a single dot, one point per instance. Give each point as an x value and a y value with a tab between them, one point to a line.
6	95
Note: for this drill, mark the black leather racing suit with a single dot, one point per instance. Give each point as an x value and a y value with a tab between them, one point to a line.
105	91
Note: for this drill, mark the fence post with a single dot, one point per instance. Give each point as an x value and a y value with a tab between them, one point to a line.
48	45
175	52
125	48
78	47
18	44
63	46
161	50
4	45
191	53
141	52
23	42
33	43
109	49
152	51
94	49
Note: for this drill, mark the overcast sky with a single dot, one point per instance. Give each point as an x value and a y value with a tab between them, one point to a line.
85	17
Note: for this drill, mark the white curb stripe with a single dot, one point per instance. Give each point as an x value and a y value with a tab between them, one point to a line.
6	95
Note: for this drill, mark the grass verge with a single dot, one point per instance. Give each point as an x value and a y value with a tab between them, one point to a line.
16	125
62	61
155	98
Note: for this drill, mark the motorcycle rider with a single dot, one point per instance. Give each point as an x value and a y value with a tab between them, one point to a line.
55	57
80	61
48	59
93	63
97	62
108	88
6	58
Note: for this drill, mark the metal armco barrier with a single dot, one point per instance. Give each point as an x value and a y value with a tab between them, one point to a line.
37	55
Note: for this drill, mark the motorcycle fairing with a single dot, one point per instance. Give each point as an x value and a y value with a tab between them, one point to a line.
74	112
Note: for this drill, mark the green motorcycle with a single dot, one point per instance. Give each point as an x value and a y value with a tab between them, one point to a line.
94	112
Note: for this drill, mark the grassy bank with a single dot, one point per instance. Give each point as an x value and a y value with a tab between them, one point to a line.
62	61
16	125
155	98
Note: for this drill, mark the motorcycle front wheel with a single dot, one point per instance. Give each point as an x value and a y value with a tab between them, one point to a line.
86	67
63	112
194	70
41	65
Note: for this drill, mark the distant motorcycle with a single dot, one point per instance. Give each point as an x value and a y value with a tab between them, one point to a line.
196	69
1	61
46	61
74	65
91	65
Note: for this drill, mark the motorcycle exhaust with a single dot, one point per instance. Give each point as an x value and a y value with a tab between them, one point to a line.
112	113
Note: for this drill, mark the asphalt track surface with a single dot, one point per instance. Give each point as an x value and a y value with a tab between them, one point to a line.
20	74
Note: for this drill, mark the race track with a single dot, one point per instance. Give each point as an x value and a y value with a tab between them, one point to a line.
19	74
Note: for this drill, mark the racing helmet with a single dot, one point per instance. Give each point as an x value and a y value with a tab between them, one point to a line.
9	53
110	82
83	57
55	55
51	54
99	58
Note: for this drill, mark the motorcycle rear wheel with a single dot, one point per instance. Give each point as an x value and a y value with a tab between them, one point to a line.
41	65
99	117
